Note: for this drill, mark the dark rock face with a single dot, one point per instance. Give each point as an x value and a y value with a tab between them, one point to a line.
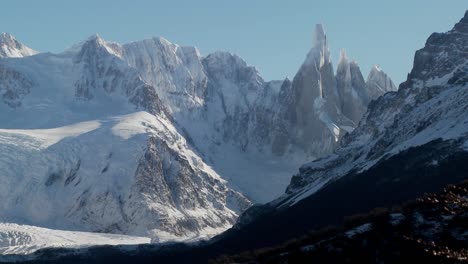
14	86
310	113
442	54
352	90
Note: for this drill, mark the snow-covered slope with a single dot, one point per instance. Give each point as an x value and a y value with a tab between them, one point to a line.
23	239
132	174
50	90
11	48
176	72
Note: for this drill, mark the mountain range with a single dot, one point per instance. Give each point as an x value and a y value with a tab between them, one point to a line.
407	143
150	138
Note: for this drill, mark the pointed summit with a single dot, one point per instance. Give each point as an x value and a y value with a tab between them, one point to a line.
343	59
319	52
6	36
96	37
320	39
94	44
12	48
379	82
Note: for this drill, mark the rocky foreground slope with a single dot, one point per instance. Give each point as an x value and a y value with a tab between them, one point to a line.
431	229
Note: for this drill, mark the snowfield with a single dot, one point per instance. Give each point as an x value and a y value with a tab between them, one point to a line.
25	239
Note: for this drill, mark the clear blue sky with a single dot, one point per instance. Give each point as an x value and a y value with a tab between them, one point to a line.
272	35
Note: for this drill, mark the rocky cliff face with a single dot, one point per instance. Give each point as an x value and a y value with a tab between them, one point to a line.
13	86
352	89
311	113
443	58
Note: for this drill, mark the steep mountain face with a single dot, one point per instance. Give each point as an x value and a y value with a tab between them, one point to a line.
355	93
320	106
409	142
233	88
175	72
313	119
11	48
351	86
103	73
442	60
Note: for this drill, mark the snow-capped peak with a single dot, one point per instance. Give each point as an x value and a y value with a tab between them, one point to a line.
97	39
95	42
5	36
320	39
12	48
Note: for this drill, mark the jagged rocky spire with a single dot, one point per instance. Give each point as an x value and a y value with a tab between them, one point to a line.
379	82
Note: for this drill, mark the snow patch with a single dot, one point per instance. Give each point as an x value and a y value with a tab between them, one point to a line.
359	230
